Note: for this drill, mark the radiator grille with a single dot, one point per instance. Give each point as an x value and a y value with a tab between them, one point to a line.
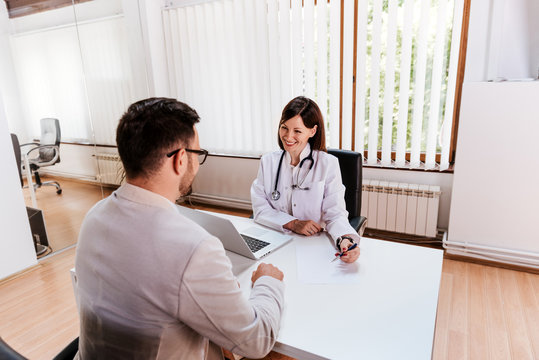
111	171
399	207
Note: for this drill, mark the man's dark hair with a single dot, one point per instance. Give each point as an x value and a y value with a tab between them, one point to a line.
149	130
311	115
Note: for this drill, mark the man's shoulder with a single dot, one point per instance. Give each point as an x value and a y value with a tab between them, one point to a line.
123	219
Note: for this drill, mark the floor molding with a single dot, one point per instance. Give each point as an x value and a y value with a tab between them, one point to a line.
493	263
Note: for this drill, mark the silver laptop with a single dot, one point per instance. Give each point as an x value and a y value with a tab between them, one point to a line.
254	242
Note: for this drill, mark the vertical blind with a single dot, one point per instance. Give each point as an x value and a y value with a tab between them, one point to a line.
238	62
74	81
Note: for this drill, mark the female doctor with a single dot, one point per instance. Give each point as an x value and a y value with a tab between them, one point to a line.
299	187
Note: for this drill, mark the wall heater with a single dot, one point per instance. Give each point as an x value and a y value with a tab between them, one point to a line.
110	169
398	207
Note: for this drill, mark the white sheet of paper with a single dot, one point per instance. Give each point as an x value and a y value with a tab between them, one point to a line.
315	265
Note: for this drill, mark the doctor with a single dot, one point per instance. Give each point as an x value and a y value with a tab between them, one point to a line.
299	187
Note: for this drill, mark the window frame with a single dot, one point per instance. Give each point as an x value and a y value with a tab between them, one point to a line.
458	90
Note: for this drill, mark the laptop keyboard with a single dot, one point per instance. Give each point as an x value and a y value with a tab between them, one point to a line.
254	244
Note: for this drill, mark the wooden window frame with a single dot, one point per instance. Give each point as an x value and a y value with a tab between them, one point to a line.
458	86
18	8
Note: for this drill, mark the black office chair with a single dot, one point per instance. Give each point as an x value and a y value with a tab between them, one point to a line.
48	150
17	151
351	164
8	353
35	217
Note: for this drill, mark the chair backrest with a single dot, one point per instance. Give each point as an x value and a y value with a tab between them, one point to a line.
50	135
8	353
351	164
17	151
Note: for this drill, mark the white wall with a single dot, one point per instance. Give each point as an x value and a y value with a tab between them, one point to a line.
154	40
16	241
495	201
503	40
8	80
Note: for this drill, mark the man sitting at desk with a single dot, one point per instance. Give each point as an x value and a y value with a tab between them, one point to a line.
152	284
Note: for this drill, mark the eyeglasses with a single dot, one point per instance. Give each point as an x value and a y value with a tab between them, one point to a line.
202	154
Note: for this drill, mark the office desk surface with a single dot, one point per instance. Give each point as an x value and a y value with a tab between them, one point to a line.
389	314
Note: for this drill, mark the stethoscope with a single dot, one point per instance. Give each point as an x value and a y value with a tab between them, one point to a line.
275	194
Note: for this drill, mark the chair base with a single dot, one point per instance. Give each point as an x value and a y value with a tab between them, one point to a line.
41	249
52	183
47	183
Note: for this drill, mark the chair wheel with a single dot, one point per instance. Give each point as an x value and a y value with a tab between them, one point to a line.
59	191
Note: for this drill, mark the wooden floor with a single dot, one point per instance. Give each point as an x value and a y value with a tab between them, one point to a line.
63	213
483	312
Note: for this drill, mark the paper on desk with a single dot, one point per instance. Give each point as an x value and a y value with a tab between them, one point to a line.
315	266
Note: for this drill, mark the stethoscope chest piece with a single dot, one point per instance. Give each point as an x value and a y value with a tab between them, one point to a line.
275	194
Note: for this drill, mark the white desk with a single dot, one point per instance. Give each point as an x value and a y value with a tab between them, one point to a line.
392	310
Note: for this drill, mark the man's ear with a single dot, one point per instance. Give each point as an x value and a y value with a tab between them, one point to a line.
179	161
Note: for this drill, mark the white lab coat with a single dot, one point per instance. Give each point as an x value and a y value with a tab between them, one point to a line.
323	202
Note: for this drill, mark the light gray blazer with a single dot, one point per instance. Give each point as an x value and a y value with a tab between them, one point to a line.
152	284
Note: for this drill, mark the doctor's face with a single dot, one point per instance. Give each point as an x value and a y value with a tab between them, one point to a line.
295	135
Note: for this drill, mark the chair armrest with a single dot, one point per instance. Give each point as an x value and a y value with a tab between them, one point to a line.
53	160
359	223
28	144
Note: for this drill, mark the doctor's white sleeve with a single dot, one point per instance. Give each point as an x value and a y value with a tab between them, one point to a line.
263	211
334	211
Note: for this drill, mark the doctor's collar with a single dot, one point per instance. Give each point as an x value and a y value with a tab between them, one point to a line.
304	153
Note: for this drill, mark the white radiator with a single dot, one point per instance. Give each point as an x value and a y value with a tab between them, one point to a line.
398	207
111	170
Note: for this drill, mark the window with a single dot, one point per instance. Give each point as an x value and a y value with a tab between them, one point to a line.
238	62
77	71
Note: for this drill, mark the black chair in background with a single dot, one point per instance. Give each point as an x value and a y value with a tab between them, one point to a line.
35	216
48	151
17	151
8	353
351	164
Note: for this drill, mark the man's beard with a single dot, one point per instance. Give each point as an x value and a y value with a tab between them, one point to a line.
187	192
186	185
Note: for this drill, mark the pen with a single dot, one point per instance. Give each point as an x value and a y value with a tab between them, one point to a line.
338	255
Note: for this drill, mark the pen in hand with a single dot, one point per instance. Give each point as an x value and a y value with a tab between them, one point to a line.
338	255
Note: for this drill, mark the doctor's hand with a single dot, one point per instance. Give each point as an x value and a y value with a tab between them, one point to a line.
267	270
349	256
303	227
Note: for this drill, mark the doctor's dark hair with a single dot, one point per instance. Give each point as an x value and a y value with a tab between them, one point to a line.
150	129
311	115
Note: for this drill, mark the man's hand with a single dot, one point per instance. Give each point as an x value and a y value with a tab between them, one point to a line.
267	270
349	256
303	227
